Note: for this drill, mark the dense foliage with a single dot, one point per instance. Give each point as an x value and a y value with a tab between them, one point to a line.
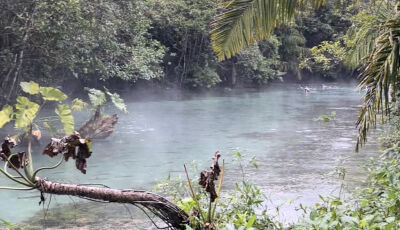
66	41
375	206
168	43
55	41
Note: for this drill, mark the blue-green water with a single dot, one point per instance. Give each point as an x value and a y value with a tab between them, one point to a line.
278	125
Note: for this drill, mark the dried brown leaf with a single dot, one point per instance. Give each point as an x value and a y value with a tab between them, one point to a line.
207	177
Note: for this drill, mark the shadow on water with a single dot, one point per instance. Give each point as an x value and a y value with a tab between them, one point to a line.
296	153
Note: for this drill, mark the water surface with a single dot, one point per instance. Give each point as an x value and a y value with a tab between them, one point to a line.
295	153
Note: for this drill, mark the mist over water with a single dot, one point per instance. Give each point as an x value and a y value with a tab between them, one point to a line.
278	126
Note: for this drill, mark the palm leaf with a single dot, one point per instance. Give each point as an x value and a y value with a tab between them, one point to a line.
361	37
379	76
244	22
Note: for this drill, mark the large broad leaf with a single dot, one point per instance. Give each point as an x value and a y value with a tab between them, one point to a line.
26	112
52	94
66	118
6	115
118	101
30	87
96	97
78	104
51	128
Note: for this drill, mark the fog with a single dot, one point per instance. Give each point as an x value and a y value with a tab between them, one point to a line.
163	131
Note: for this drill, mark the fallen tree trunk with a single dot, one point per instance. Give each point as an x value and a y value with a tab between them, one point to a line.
98	127
171	214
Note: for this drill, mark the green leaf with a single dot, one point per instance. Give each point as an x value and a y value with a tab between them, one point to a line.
26	112
251	222
244	22
49	127
52	94
6	115
349	219
78	104
66	118
336	203
118	102
30	87
389	226
96	97
6	223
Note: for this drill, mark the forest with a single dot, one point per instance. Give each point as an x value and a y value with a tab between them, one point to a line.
159	44
110	111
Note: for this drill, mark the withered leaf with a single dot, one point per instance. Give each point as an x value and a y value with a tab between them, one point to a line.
55	147
80	164
6	147
18	160
207	177
71	152
72	146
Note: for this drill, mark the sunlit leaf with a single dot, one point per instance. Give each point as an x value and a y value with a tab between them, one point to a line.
6	115
96	97
66	118
52	94
26	112
30	87
251	222
78	104
118	102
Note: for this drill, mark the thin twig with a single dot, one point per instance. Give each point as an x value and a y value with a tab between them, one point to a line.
13	179
75	206
14	188
193	194
128	210
45	168
45	212
23	177
151	219
221	178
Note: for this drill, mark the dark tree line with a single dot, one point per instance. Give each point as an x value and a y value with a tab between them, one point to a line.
162	42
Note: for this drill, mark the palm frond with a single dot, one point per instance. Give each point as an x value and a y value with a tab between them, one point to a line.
361	37
379	77
243	22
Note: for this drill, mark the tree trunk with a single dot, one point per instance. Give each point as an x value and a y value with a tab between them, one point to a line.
98	127
16	73
233	75
171	214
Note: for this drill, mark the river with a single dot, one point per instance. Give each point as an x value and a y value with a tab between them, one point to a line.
296	153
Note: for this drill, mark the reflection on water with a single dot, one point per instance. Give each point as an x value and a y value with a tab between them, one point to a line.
278	126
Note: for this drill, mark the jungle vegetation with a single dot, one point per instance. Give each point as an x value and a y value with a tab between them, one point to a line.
163	43
202	44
